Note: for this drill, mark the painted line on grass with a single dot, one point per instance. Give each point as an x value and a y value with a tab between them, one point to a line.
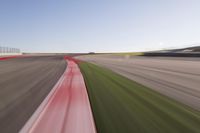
66	109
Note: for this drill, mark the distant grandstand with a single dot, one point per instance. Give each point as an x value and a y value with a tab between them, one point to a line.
9	51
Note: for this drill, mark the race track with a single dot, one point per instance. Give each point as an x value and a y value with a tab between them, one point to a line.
24	83
66	109
178	78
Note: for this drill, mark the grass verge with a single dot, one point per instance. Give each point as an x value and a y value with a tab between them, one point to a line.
123	106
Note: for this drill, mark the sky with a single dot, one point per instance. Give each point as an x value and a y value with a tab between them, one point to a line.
99	25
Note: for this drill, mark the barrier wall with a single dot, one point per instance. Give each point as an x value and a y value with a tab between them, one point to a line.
191	54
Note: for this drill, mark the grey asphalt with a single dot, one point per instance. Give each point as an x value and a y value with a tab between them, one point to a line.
24	83
177	78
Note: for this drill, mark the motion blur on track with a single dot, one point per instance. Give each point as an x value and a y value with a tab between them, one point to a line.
24	83
175	77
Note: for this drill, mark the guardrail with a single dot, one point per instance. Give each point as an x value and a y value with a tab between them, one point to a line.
4	51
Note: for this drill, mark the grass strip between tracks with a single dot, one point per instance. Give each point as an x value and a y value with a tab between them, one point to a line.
123	106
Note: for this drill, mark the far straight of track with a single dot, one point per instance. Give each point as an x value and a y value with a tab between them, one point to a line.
24	84
176	77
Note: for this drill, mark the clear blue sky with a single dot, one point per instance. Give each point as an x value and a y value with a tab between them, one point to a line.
98	25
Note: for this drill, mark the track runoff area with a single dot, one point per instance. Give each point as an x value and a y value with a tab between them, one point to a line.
118	105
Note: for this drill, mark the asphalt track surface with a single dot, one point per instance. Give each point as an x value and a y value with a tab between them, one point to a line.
66	109
177	78
24	84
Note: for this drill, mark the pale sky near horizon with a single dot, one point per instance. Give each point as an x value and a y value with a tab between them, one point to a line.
98	25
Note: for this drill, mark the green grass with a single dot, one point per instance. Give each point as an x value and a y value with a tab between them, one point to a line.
120	105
